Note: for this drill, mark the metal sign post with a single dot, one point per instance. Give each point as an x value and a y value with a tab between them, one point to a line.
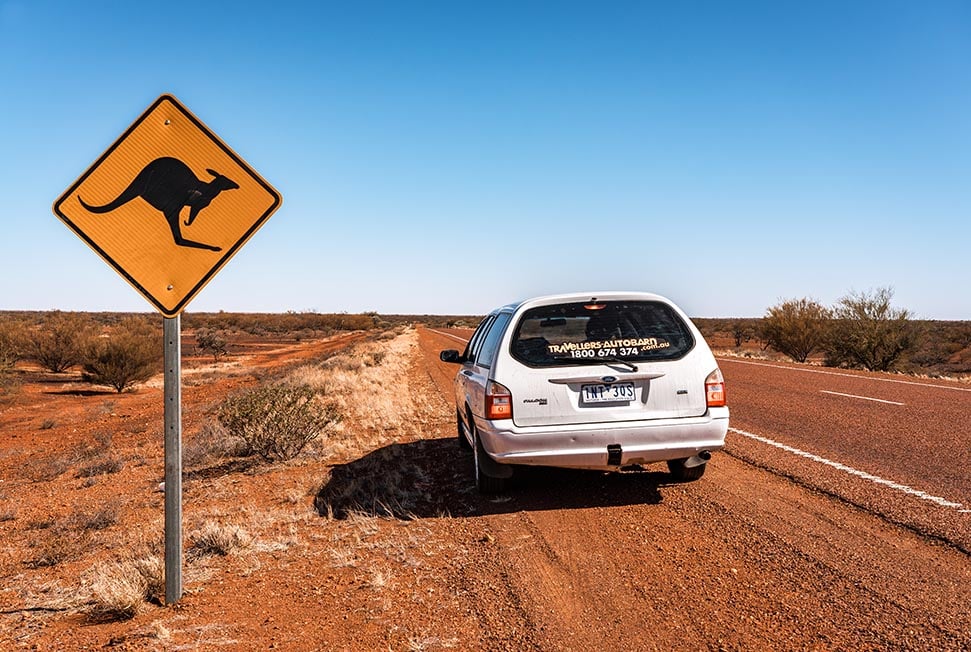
168	169
172	333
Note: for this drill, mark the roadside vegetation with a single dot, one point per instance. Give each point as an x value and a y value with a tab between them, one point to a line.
276	421
796	327
128	353
291	421
862	330
121	350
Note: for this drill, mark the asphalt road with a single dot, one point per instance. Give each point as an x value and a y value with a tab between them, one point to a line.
891	444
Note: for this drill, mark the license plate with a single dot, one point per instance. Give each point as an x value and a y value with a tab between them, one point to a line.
613	393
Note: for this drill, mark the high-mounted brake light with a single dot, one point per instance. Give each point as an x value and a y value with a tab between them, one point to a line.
498	401
715	389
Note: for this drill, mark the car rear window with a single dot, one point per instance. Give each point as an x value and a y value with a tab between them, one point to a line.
583	333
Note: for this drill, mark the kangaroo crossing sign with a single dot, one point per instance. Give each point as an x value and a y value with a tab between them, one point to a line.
167	205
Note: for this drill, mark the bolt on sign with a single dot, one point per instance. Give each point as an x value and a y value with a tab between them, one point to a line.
167	205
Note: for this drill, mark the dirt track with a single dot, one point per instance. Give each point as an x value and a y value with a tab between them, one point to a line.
763	553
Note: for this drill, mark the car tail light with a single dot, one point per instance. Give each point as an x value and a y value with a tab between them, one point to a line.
715	389
498	401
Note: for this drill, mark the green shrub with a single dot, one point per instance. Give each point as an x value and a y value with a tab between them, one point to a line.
796	327
868	332
276	422
131	353
59	342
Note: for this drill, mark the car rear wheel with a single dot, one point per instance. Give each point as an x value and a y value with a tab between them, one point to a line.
682	473
485	483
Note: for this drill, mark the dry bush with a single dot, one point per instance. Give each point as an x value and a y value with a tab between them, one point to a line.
102	466
100	519
211	446
9	384
131	353
119	589
13	343
45	469
59	543
67	538
58	343
152	569
217	539
277	422
212	342
7	513
103	441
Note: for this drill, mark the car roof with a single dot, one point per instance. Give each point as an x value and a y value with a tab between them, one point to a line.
574	297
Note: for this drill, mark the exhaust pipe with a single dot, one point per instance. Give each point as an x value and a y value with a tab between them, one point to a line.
697	460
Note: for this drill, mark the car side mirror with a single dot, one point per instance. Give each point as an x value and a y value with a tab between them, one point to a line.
451	355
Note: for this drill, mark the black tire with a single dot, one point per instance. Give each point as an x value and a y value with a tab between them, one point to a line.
485	483
681	473
463	442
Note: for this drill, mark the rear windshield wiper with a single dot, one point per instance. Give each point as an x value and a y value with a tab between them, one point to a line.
611	359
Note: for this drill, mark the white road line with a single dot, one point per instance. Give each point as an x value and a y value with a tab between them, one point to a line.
923	495
865	398
836	373
454	337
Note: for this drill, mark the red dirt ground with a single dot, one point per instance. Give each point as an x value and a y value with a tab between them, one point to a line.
412	559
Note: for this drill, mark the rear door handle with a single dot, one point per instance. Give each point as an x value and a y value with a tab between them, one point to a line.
467	373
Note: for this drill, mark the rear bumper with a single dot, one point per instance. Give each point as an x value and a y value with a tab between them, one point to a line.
585	446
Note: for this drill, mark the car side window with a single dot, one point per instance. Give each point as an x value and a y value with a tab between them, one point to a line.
491	341
476	340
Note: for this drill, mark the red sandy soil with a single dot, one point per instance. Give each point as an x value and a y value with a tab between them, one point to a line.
742	559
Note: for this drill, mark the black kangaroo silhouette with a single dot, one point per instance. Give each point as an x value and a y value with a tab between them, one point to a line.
168	185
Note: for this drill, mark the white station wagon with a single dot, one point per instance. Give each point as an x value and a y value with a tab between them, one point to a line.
601	381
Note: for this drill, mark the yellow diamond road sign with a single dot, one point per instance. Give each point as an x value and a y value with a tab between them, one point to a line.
167	205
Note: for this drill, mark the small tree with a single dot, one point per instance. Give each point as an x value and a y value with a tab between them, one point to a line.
796	327
741	332
868	332
130	354
212	342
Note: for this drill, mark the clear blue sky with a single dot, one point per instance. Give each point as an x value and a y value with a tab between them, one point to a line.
450	157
